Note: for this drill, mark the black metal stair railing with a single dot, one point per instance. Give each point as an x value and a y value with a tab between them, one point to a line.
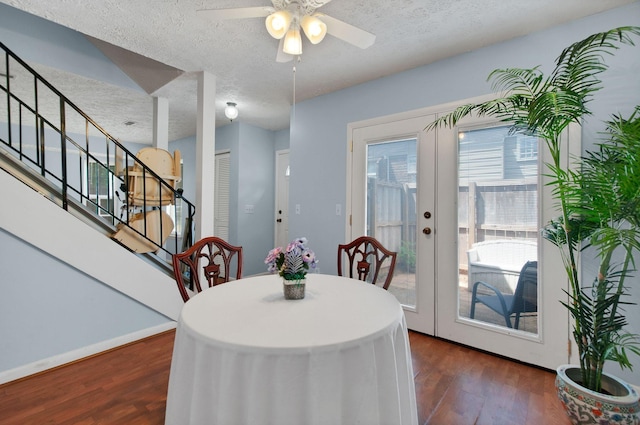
82	164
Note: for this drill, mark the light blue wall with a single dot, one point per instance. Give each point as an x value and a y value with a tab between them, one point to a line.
282	140
252	154
318	148
48	308
256	183
37	40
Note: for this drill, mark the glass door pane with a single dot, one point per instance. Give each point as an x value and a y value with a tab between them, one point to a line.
391	209
498	228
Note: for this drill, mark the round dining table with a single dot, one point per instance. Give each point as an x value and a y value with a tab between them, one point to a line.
243	354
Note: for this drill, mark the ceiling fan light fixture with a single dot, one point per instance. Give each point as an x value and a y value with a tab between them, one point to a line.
314	28
278	23
292	42
231	111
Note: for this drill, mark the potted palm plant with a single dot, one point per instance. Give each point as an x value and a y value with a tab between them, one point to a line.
599	206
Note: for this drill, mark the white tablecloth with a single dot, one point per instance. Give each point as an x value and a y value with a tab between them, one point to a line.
245	355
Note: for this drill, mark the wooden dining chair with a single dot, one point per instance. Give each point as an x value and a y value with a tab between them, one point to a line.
211	258
365	259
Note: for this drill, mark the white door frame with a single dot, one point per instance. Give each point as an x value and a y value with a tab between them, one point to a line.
281	204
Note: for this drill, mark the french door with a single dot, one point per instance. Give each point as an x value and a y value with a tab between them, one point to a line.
392	200
437	198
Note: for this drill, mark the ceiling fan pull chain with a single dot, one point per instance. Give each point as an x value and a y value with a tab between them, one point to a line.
293	118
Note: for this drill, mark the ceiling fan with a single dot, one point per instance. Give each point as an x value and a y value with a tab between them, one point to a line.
285	19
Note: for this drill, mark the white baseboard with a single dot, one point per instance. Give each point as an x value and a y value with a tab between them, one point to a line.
80	353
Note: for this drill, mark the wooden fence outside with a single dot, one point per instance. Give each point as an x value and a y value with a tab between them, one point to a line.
486	211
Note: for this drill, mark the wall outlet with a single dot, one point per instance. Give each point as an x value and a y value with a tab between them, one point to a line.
297	208
249	209
338	209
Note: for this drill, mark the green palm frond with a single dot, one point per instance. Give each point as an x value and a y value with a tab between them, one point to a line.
618	351
517	80
579	64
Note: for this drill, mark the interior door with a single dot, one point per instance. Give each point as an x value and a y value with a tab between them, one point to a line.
281	214
221	195
392	199
440	222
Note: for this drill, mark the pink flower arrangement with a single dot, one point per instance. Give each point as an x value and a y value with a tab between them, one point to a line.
292	263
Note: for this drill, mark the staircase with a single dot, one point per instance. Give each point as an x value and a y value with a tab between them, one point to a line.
48	144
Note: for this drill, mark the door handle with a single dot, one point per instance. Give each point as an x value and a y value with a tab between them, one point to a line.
426	230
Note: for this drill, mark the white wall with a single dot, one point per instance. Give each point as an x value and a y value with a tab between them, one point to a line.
318	146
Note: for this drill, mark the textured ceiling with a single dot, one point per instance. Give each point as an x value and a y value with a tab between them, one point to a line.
241	54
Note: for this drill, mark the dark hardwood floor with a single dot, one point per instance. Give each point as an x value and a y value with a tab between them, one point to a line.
455	385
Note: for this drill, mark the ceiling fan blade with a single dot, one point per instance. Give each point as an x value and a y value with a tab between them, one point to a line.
347	32
281	56
237	13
